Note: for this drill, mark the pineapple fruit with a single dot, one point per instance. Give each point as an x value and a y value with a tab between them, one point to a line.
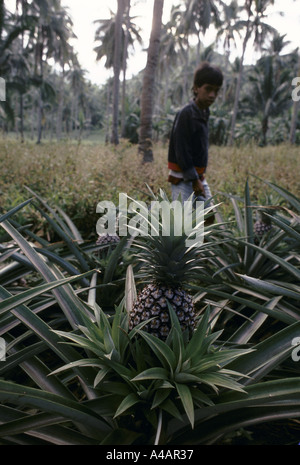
152	302
168	265
105	241
262	224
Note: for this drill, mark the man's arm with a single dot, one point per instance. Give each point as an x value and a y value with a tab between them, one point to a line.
198	187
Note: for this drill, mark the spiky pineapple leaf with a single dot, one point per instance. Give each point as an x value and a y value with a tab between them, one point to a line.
130	289
24	297
126	403
272	288
187	401
160	396
152	373
161	349
14	210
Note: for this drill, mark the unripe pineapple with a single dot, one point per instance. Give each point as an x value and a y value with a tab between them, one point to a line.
152	302
262	225
104	241
168	265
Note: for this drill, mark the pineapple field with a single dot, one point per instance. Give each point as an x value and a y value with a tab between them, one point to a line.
138	339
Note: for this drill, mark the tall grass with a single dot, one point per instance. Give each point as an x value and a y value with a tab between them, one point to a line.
78	176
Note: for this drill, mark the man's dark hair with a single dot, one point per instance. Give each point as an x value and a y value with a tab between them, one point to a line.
207	74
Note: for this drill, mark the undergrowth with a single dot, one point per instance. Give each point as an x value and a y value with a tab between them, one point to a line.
78	176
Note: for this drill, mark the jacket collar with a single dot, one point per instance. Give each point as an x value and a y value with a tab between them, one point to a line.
203	114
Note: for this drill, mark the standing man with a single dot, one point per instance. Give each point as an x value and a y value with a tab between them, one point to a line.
188	147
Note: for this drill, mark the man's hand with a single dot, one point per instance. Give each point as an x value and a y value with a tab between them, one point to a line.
198	188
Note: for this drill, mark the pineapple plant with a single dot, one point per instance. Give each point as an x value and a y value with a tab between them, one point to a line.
167	265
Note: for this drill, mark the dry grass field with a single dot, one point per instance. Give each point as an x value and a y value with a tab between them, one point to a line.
77	176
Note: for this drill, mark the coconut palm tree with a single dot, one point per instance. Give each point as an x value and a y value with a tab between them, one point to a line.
147	98
50	39
229	28
270	79
76	77
168	54
14	61
105	34
199	15
255	27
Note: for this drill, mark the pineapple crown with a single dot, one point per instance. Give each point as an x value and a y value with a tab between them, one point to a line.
161	263
165	256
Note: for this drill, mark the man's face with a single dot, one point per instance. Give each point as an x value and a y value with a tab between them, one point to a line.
206	95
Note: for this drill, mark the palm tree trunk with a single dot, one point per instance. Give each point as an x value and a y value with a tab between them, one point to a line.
125	46
238	86
296	107
60	105
147	99
108	109
264	127
224	87
117	66
40	117
39	72
21	118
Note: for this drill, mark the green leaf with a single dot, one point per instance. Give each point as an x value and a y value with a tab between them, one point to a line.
152	373
44	332
219	379
126	403
288	196
194	347
160	396
14	210
101	375
65	295
267	354
24	396
161	349
62	230
218	358
248	303
113	260
23	297
187	401
169	406
270	287
52	435
248	257
199	397
276	259
186	378
290	231
130	289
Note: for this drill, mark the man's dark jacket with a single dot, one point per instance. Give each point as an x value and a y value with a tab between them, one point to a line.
188	147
